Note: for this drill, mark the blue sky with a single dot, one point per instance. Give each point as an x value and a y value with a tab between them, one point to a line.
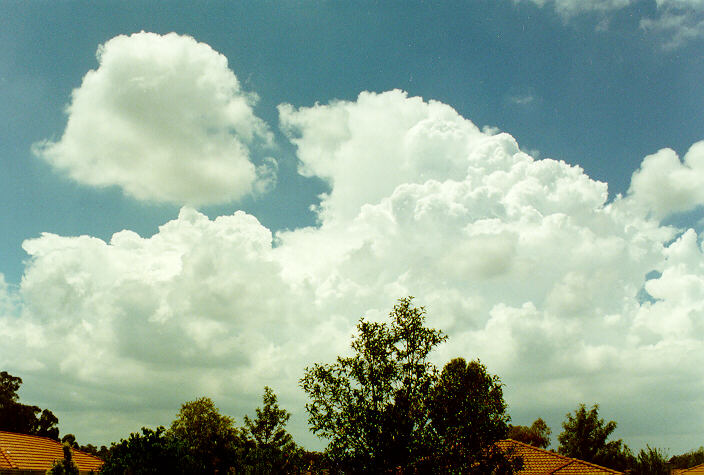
594	84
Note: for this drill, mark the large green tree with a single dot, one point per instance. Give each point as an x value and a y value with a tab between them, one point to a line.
372	405
22	418
211	438
384	407
468	415
585	435
268	447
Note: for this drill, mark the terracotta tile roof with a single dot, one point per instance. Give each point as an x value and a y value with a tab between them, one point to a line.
543	462
696	470
31	452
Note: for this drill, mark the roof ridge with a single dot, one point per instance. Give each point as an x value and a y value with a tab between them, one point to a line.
29	435
571	459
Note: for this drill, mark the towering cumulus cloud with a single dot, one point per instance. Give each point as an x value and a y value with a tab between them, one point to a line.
164	119
524	263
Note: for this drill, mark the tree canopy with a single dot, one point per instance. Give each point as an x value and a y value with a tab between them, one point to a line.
387	407
688	459
650	461
537	435
210	437
152	451
201	440
22	418
468	414
585	435
268	447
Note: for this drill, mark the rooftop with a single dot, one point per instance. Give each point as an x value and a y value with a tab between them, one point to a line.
696	470
31	452
542	462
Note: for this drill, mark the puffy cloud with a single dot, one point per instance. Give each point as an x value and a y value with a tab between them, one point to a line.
523	263
380	141
664	185
163	118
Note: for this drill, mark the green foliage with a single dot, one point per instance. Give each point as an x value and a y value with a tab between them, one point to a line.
70	440
152	451
201	440
211	438
17	417
372	406
585	437
268	447
102	452
65	466
537	435
468	414
650	461
9	385
688	459
386	407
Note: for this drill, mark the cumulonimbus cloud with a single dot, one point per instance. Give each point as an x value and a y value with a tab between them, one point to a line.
165	119
525	263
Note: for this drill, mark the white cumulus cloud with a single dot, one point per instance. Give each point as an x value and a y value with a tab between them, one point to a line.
523	262
165	119
664	185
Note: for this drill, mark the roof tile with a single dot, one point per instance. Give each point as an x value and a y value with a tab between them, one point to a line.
31	452
543	462
696	470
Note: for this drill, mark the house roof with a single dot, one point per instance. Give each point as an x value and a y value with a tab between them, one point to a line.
32	452
696	470
543	462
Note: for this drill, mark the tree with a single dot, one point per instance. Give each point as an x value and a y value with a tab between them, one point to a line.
268	447
101	452
9	385
584	437
372	405
468	415
70	440
152	451
650	461
688	459
211	438
65	466
537	435
47	424
18	417
383	408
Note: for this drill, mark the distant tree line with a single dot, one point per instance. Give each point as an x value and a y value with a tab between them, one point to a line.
585	437
384	409
201	440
